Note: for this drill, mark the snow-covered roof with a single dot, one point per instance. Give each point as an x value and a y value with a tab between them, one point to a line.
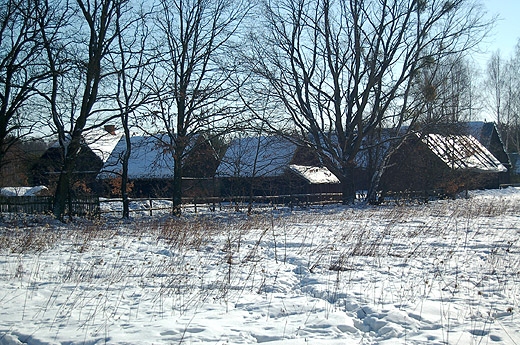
100	142
482	131
314	175
149	158
461	152
23	191
265	156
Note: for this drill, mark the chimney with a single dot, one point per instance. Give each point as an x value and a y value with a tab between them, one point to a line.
110	129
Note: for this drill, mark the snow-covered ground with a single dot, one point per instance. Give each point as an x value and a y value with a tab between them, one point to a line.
447	272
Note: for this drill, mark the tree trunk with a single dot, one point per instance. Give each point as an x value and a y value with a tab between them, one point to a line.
348	190
62	194
378	174
251	194
2	156
124	175
124	192
177	184
374	185
3	143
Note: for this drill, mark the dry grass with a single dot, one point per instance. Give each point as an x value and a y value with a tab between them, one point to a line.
196	259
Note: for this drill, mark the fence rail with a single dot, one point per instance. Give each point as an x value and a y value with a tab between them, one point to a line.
292	199
91	207
83	207
154	205
25	204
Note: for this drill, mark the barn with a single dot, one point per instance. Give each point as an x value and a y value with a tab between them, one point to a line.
268	165
150	168
451	163
488	135
96	147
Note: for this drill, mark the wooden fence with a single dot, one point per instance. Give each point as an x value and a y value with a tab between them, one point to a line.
424	195
149	205
90	206
82	207
25	204
288	200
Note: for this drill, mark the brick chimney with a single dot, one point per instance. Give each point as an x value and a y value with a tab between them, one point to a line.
110	129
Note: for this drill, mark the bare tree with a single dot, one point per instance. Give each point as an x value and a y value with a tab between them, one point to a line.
501	86
135	61
344	68
445	92
496	84
22	68
194	82
81	69
513	100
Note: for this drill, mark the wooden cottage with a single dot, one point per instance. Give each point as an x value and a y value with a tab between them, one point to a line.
488	135
150	168
96	147
271	165
450	163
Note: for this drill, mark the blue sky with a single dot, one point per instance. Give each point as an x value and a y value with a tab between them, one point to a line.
507	28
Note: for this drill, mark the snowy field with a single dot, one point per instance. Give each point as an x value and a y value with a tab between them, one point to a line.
447	272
